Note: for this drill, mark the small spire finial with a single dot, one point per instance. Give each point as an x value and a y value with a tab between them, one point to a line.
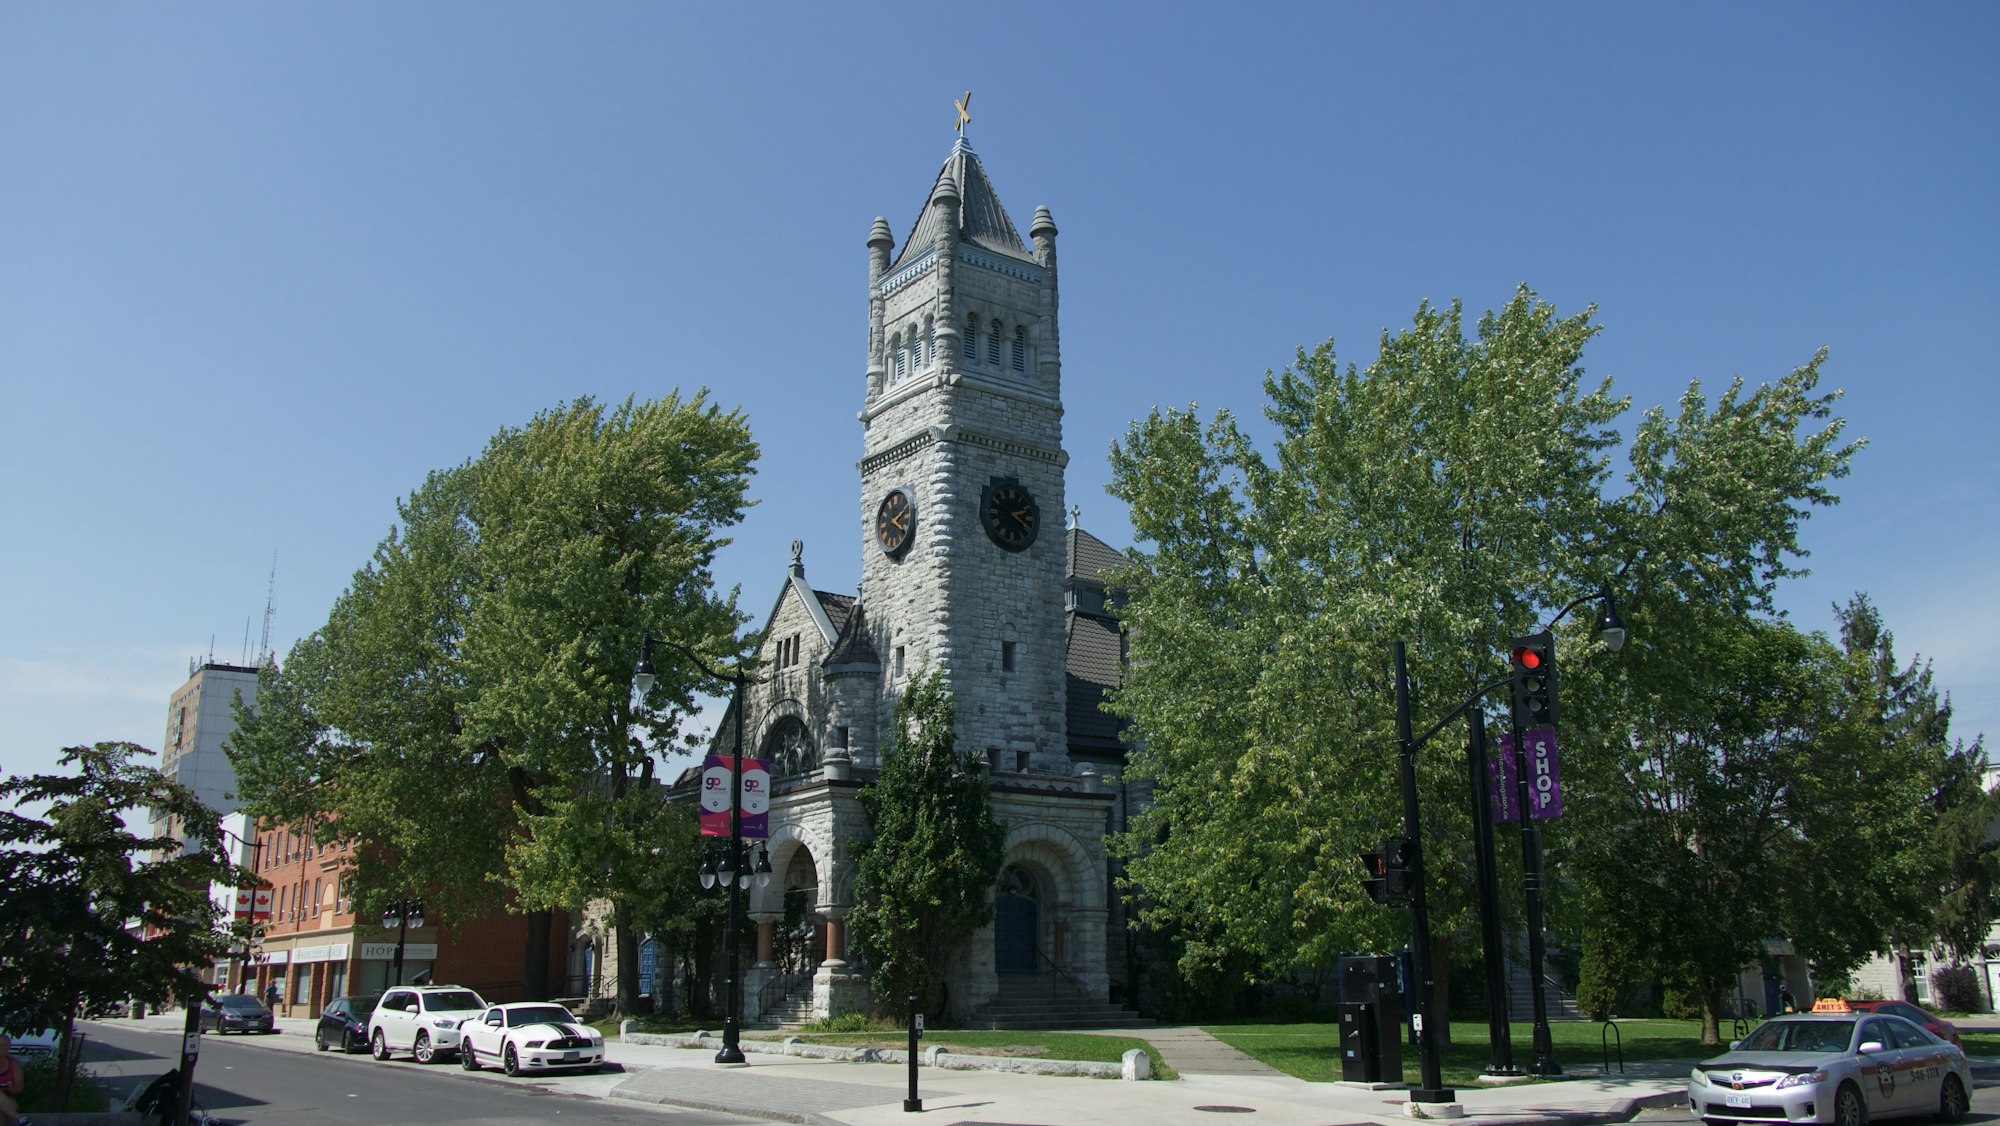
964	111
1075	517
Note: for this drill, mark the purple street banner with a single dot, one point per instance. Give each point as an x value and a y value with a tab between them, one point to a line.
715	770
1544	778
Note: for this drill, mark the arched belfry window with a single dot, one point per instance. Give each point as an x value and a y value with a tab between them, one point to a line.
896	349
930	341
1020	347
993	345
789	748
971	336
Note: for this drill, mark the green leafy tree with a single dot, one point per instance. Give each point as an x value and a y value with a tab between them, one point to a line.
467	710
1453	494
924	879
91	914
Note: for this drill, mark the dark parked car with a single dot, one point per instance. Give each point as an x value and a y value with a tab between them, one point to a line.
1936	1026
235	1012
345	1022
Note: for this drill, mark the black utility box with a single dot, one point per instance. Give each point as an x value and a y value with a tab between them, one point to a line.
1371	1021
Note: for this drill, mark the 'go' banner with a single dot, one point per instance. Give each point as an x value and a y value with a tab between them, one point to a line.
715	772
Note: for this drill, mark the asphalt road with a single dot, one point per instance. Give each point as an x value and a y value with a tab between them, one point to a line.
264	1083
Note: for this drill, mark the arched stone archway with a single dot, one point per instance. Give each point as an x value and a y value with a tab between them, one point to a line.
1017	915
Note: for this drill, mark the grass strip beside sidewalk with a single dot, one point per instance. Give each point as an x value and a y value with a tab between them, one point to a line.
1312	1051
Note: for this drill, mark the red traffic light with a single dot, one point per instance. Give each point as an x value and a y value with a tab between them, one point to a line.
1528	657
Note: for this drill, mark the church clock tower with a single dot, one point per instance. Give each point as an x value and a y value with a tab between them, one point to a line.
962	469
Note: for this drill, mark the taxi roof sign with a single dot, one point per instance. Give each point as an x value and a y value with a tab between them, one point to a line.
1832	1005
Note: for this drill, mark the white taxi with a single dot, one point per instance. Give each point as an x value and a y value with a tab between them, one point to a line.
1839	1067
530	1036
422	1020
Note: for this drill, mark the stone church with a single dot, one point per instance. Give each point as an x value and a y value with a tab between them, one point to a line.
969	569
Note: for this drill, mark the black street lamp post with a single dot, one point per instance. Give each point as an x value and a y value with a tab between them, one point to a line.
734	871
1499	1031
402	916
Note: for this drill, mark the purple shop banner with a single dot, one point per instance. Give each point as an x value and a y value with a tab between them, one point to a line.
1544	778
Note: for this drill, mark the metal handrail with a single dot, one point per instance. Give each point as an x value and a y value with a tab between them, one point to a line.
1065	974
779	988
1604	1037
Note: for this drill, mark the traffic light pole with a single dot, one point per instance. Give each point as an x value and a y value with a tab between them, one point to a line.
1431	1069
1544	1063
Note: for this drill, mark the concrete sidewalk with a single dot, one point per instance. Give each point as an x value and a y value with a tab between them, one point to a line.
1214	1081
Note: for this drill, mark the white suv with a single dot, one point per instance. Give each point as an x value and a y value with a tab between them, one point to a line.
421	1020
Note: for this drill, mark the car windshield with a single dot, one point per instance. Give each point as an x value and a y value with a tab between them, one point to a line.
539	1014
239	1002
1800	1036
452	1001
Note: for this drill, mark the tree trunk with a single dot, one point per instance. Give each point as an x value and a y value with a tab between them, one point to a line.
535	961
627	938
1710	988
67	1057
1906	974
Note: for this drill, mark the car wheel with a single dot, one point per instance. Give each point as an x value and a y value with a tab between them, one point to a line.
509	1062
379	1047
348	1043
467	1058
1849	1109
1951	1100
319	1039
422	1049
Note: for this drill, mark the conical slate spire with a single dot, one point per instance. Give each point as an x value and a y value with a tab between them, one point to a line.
982	220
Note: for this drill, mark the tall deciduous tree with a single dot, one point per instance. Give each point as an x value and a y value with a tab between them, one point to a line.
467	710
1453	494
72	877
924	878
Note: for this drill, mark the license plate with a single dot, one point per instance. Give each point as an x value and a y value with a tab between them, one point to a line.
1742	1101
569	1057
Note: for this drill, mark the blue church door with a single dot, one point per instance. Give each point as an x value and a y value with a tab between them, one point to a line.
1017	916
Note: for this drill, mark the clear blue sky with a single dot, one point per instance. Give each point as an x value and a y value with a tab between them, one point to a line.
262	266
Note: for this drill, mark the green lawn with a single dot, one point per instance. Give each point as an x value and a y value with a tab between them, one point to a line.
1312	1052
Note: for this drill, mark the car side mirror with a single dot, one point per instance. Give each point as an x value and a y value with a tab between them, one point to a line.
1735	1044
1870	1047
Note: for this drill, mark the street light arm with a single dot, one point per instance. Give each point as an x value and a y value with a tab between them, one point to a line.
1477	695
736	678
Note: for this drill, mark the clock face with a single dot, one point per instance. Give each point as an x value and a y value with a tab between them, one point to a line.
895	522
1010	515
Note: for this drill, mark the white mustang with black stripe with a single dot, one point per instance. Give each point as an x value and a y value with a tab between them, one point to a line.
529	1036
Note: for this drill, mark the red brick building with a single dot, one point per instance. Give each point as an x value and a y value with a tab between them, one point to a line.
316	949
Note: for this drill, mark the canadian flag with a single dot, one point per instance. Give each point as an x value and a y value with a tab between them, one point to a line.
253	904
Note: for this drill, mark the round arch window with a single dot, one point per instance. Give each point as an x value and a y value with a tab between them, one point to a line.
789	748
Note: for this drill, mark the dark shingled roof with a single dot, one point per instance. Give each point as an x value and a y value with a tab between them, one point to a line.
981	218
1090	557
837	607
1093	657
854	646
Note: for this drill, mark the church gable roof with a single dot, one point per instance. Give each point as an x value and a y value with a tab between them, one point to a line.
1094	657
982	219
1090	558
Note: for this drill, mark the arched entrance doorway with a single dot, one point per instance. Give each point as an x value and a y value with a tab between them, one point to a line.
1017	919
801	935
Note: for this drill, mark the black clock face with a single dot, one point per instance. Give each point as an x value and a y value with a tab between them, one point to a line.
895	522
1010	515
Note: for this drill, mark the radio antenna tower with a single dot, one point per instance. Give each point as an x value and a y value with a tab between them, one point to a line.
270	607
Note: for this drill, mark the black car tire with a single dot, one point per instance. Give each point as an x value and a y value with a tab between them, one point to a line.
319	1039
509	1062
467	1058
378	1047
1849	1108
422	1050
1952	1103
348	1043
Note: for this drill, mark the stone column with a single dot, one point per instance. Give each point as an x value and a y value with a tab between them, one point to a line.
836	990
764	968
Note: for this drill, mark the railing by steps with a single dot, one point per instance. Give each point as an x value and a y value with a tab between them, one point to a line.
776	990
1060	975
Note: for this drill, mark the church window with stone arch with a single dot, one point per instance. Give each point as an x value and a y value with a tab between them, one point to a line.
1021	348
972	336
916	350
789	748
896	350
993	345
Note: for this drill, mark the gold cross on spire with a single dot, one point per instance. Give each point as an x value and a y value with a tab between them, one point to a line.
964	111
